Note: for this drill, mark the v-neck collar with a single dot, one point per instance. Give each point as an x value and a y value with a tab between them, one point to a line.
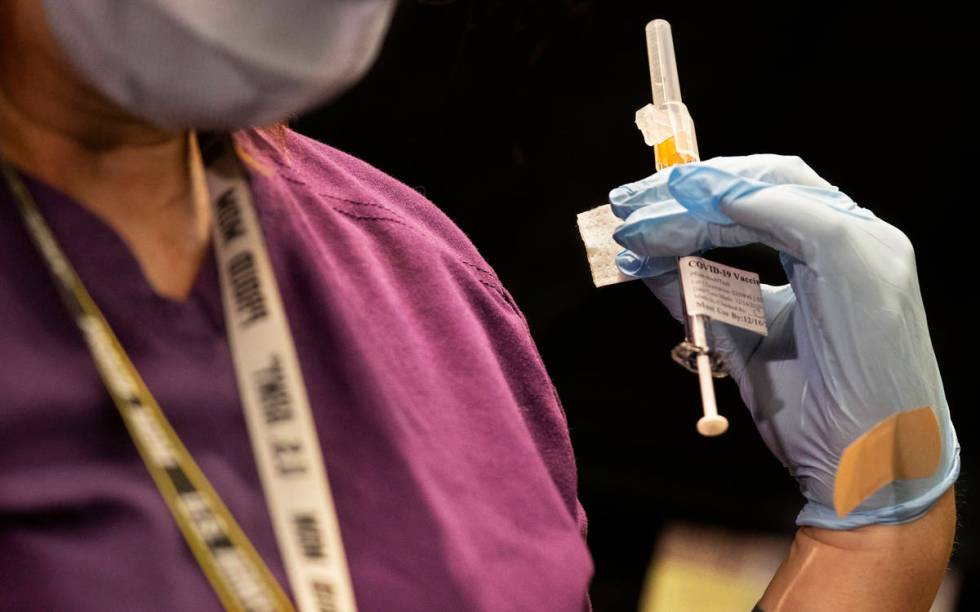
114	277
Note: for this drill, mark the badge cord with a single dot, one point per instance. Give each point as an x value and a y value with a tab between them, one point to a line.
277	410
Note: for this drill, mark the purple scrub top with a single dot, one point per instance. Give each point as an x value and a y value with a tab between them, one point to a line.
445	443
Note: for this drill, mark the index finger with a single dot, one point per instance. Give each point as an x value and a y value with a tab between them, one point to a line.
766	168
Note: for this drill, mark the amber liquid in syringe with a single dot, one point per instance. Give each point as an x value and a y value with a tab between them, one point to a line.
667	155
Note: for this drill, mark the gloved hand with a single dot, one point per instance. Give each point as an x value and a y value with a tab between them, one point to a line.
848	360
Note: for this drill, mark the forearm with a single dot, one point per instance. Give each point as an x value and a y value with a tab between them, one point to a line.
881	567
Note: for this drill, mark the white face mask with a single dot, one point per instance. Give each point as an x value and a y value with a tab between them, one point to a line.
219	63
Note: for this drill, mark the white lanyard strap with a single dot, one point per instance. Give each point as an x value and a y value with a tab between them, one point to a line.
277	410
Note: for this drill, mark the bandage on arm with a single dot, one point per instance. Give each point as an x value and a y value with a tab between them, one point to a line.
884	568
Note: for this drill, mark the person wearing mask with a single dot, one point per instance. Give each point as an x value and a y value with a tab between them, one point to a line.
243	369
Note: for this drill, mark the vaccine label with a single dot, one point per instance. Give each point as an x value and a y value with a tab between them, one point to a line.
723	293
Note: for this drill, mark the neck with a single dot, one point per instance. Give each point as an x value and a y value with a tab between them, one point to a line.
89	155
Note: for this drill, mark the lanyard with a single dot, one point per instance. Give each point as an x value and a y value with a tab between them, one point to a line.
277	410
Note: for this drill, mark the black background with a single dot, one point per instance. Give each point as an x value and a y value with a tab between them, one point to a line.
513	116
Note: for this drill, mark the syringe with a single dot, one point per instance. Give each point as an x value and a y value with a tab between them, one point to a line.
668	128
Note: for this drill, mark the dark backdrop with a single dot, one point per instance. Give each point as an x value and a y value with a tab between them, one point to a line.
514	115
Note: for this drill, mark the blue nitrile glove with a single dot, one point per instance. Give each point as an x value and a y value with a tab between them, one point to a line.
848	346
